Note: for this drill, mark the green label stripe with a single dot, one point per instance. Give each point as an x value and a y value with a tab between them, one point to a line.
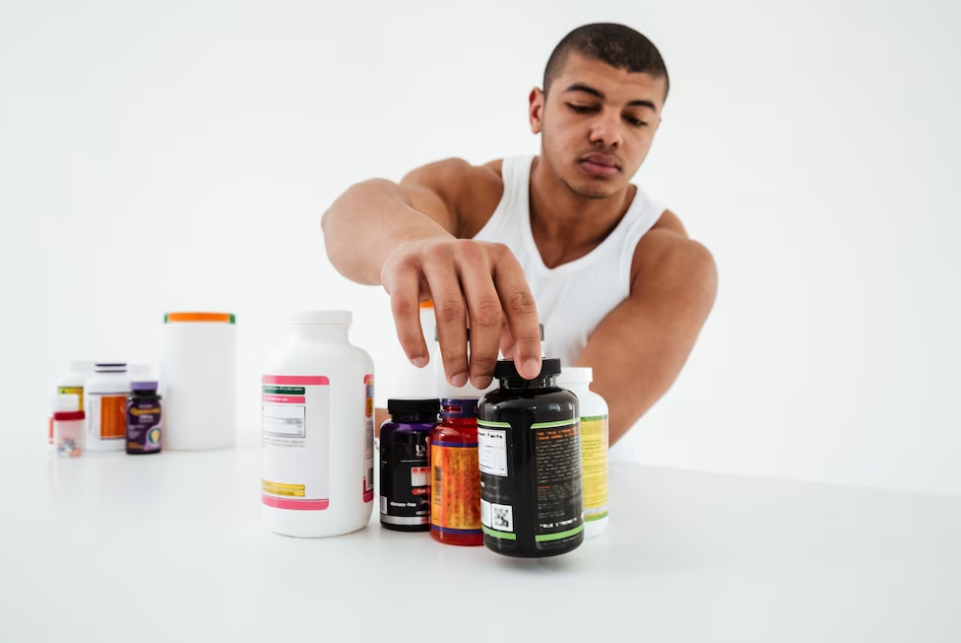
553	425
503	535
563	534
593	517
494	425
594	418
284	390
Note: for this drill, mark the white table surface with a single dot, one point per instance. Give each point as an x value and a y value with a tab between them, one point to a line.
172	548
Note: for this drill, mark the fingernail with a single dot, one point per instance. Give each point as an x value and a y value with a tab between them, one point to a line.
419	362
532	367
482	382
459	380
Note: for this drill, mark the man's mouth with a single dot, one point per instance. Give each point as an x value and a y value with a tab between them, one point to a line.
600	165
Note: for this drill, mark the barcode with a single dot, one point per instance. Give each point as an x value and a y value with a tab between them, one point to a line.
436	488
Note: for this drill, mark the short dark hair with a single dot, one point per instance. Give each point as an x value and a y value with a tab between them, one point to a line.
617	45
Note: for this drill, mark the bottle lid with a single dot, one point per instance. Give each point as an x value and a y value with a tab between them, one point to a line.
507	370
186	317
144	385
458	408
395	406
81	366
66	403
110	367
427	305
576	375
321	317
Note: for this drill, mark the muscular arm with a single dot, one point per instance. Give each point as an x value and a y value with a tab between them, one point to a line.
639	349
405	238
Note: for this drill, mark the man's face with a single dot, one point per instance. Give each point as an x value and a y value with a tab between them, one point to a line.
597	124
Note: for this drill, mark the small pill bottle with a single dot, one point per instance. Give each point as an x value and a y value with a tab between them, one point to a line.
594	445
71	383
404	470
105	404
317	437
144	418
68	422
529	452
455	478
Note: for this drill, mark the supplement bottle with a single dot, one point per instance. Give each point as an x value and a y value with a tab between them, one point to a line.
198	370
404	471
530	461
317	440
594	445
105	404
455	478
68	421
144	417
71	383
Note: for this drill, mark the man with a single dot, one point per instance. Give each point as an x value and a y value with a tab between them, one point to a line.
563	239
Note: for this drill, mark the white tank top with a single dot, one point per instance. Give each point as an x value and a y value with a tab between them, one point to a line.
573	298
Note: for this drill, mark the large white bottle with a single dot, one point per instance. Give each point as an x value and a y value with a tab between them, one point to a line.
317	437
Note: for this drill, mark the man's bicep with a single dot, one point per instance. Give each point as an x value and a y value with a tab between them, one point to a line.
638	350
435	190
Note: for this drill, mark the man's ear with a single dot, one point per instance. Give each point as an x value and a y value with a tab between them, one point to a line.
536	111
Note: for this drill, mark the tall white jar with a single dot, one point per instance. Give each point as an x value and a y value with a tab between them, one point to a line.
595	441
317	438
198	375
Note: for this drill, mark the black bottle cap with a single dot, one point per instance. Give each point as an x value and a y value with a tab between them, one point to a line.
395	406
506	370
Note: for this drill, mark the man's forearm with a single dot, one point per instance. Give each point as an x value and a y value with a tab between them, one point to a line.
369	221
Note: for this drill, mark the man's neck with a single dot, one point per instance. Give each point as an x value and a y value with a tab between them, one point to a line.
567	226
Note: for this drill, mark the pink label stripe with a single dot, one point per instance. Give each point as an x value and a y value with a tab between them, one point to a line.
296	505
297	380
284	399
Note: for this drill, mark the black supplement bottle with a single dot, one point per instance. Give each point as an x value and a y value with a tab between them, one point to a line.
404	469
529	448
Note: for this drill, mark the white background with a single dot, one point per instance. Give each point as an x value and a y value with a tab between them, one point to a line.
179	155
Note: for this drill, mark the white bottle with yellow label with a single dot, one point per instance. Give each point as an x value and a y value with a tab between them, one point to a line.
594	444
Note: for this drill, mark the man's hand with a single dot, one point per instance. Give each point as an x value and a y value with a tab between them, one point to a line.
472	284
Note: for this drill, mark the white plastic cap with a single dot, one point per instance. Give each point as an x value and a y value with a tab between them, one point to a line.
81	366
66	403
576	375
311	317
139	370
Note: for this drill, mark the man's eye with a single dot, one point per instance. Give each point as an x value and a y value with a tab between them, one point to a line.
636	122
581	109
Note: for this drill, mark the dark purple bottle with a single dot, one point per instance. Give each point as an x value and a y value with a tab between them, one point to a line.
404	471
144	417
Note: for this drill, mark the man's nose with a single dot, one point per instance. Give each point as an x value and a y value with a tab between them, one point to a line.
606	129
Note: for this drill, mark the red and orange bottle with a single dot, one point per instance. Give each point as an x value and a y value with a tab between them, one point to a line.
455	475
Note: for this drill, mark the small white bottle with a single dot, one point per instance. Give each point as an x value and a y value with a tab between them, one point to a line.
71	383
594	444
317	439
105	404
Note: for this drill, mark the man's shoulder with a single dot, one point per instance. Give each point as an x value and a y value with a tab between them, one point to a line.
471	192
668	248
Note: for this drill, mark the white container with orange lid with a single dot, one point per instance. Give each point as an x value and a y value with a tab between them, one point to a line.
198	376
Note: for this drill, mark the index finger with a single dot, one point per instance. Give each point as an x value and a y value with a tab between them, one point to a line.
521	312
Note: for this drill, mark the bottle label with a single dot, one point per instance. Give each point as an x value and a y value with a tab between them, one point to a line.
143	425
107	417
72	390
594	444
455	487
405	482
556	482
369	439
295	440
